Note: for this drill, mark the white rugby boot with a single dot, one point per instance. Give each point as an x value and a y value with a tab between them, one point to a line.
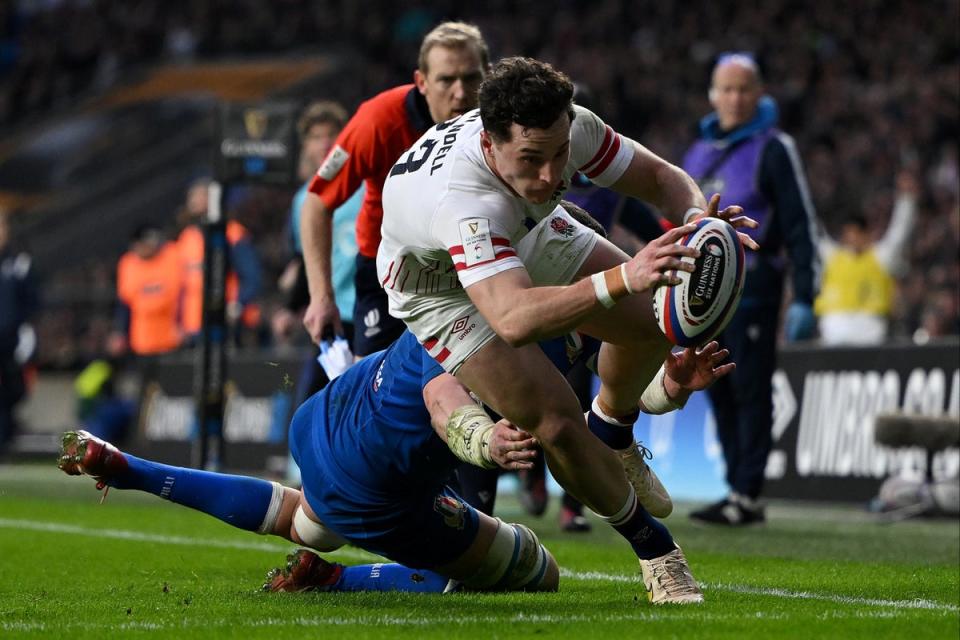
668	580
650	491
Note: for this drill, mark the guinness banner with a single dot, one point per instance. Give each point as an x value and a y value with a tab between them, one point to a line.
257	143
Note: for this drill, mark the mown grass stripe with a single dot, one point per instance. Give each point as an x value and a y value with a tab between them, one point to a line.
272	547
651	615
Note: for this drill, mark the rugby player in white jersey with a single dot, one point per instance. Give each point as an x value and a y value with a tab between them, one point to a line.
480	262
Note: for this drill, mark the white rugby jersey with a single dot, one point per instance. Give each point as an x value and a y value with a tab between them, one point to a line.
449	221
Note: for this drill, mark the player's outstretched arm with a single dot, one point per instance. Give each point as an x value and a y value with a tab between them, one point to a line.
692	369
695	369
651	178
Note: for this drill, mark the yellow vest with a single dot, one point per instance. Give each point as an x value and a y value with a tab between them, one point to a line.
855	283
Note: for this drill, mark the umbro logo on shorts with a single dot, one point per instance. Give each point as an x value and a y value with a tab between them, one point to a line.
463	327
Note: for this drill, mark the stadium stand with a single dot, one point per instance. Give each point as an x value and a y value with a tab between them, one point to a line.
858	114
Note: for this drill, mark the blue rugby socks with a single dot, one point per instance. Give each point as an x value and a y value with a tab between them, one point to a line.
648	537
240	501
389	577
616	433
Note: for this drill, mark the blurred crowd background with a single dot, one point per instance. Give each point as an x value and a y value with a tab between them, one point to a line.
868	88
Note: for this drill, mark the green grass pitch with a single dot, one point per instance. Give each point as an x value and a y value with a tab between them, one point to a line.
140	567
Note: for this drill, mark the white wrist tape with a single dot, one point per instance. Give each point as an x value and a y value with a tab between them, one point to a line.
468	436
655	399
611	285
600	288
623	274
691	213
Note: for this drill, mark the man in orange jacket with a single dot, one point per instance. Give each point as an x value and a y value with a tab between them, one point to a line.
149	287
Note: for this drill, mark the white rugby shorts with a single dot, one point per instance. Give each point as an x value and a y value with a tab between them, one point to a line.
448	324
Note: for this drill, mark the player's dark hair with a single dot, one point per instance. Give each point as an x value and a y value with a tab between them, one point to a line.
580	215
524	91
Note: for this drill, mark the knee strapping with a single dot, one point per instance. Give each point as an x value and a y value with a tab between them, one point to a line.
273	510
516	561
313	534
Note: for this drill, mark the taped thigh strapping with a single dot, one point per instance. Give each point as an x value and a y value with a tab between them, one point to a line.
314	534
516	561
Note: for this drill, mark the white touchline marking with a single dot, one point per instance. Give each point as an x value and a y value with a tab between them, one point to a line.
653	614
139	536
588	576
772	591
916	603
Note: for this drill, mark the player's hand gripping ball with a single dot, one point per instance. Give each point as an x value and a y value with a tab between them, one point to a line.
695	311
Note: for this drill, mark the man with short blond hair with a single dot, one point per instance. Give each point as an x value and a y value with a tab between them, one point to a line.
452	62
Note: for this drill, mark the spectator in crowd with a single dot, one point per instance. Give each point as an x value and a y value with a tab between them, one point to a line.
243	278
149	291
18	302
452	61
858	288
318	127
742	155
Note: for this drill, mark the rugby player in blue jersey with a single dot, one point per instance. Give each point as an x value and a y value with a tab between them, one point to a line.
376	448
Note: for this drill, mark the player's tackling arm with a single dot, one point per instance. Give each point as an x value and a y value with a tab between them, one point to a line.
470	433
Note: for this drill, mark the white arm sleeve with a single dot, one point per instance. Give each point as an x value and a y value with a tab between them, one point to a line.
889	250
476	236
825	244
596	150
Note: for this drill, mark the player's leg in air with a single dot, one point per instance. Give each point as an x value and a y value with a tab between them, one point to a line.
613	427
247	503
539	402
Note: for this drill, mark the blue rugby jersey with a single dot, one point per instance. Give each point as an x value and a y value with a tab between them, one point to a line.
371	432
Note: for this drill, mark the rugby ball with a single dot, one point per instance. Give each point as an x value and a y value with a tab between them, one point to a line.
695	311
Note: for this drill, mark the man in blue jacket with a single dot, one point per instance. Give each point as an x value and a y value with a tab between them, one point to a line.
742	155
